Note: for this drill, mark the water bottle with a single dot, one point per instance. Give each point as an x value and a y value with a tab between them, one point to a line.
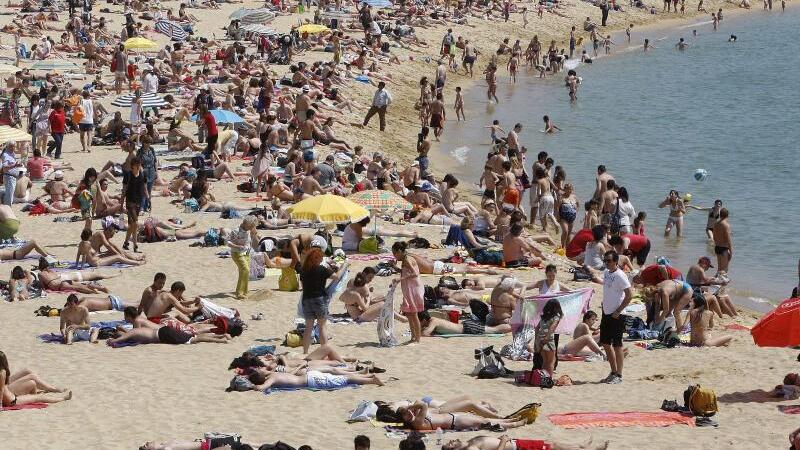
439	436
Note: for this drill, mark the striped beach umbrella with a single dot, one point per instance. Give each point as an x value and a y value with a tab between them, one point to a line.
380	200
259	29
11	134
172	29
148	100
248	16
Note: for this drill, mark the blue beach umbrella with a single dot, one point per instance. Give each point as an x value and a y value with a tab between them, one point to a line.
378	3
224	116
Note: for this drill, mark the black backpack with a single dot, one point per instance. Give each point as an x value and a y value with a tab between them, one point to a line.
198	162
479	309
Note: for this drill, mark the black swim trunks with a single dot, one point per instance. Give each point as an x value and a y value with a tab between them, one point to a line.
489	193
611	330
720	250
473	327
169	335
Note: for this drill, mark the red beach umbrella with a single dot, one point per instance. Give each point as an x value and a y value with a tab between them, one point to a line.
780	327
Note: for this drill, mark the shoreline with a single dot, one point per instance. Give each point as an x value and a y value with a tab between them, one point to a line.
445	159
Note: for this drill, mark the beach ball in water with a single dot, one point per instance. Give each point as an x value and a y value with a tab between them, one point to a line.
700	174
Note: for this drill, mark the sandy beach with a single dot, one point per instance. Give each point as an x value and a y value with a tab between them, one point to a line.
126	396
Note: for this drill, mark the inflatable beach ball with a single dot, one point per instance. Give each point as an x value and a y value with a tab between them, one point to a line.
700	174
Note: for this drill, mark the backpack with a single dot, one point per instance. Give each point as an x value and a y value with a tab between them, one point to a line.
211	239
479	309
191	205
198	162
240	383
431	300
700	401
537	378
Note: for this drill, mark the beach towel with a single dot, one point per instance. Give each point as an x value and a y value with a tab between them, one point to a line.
360	257
789	409
736	327
62	266
492	335
25	406
528	312
620	419
569	358
274	390
386	320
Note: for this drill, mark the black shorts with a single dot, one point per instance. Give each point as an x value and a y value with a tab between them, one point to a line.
720	250
489	193
169	335
473	327
132	210
611	330
211	144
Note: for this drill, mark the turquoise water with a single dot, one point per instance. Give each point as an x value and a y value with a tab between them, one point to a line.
654	118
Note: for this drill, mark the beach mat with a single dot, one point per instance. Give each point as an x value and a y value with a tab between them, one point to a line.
39	405
470	335
789	409
568	358
736	327
291	389
62	266
620	419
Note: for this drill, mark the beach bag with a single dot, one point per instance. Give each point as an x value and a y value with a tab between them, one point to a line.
488	357
537	378
240	383
700	401
293	339
215	440
77	114
198	162
365	411
211	239
288	281
479	309
490	372
191	205
369	245
581	274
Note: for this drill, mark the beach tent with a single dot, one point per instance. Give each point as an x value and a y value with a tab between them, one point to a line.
528	312
780	327
148	100
172	29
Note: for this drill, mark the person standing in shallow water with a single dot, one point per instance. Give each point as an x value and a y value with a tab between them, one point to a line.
723	242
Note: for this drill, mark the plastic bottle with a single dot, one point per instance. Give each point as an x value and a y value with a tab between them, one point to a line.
439	436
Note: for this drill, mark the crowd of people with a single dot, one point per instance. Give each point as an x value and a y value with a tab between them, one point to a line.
282	148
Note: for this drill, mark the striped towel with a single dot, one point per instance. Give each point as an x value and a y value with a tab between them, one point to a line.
620	419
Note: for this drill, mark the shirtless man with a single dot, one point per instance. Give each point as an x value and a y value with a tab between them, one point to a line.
87	254
172	301
671	297
438	115
146	332
518	251
105	203
59	191
508	181
608	203
502	302
101	240
411	176
302	104
151	292
506	443
513	140
723	243
718	301
75	322
433	326
309	132
311	186
489	181
107	303
601	182
702	321
470	55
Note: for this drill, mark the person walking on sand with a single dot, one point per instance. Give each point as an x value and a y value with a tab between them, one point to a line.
86	123
134	191
723	243
380	102
315	299
491	80
241	241
412	288
616	296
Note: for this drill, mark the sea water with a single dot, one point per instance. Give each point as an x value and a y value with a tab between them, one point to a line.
654	118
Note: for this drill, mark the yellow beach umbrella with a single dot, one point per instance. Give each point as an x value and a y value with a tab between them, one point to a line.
328	208
11	134
8	68
312	28
140	43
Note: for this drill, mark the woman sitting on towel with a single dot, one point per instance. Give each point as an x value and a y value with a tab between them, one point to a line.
80	281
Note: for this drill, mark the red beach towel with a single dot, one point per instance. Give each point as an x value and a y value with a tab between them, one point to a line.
25	406
620	419
789	409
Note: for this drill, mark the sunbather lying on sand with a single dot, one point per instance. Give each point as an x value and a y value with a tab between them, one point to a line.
80	281
172	332
311	379
8	254
506	443
432	326
461	403
418	417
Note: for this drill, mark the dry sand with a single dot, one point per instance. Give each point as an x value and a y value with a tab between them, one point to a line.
123	397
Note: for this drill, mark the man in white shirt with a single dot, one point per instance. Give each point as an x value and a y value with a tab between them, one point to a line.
10	172
380	102
150	82
86	124
616	296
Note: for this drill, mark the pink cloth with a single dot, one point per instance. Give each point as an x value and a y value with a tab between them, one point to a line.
413	295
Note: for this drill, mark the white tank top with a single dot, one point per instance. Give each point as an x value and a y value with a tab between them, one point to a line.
592	257
545	289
